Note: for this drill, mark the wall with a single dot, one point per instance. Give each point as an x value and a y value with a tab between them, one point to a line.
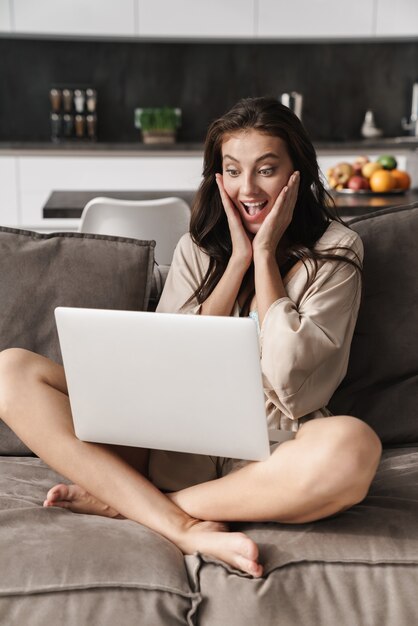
339	81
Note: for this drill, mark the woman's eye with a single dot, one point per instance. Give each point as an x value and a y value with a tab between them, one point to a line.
267	171
232	172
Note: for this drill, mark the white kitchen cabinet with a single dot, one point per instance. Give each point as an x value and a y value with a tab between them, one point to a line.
276	20
78	17
400	19
9	202
5	16
39	176
196	18
313	19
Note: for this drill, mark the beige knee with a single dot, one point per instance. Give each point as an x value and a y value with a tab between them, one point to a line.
14	361
344	459
16	364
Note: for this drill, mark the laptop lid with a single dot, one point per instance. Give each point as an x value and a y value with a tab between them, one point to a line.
165	381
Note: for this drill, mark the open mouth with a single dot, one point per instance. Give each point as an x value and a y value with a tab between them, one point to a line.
254	208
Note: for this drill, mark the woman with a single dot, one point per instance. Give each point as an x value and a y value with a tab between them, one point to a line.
263	242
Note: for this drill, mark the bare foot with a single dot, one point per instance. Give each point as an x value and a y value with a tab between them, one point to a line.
210	538
78	500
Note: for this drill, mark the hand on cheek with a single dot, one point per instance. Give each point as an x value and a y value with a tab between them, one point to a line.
241	244
277	221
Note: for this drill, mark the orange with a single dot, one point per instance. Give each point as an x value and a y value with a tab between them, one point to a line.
402	179
382	180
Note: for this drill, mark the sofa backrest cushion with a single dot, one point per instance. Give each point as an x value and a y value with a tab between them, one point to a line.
381	386
42	271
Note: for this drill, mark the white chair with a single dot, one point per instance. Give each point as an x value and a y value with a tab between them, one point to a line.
164	220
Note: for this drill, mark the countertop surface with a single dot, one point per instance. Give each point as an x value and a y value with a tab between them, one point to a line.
98	148
69	204
137	148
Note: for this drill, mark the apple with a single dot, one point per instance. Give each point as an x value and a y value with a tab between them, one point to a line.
342	173
358	164
357	183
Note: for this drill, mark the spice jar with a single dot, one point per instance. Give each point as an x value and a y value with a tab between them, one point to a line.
68	125
80	126
67	100
91	120
79	98
91	100
56	121
55	99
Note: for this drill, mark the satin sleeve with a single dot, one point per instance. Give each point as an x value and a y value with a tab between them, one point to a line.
305	346
187	270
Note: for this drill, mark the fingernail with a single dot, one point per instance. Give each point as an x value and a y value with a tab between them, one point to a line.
285	189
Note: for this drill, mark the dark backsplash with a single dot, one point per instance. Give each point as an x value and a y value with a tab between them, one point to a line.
339	82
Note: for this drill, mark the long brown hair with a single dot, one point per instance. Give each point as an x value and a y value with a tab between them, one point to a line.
314	209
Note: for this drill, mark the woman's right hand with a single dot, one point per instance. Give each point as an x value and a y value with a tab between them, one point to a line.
242	250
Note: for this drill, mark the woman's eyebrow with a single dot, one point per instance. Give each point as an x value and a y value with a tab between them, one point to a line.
267	155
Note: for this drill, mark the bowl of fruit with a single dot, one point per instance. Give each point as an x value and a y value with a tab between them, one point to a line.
369	177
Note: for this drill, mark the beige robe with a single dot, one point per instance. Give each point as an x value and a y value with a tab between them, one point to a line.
305	337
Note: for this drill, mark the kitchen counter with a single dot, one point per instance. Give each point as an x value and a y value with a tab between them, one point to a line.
70	204
137	148
91	148
360	204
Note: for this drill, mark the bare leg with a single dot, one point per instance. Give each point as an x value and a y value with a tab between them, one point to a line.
34	403
76	499
327	468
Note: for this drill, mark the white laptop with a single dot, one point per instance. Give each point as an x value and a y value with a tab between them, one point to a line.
165	381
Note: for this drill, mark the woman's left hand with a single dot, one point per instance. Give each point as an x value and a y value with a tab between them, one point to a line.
277	221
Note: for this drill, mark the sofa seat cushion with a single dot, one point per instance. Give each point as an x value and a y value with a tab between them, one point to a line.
48	554
359	567
43	271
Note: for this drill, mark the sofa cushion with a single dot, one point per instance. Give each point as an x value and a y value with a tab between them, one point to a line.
381	386
42	271
67	568
359	567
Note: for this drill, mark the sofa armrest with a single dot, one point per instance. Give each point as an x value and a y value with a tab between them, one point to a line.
159	277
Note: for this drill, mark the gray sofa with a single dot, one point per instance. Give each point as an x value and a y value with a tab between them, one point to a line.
357	568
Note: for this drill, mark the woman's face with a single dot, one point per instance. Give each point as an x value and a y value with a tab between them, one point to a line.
255	168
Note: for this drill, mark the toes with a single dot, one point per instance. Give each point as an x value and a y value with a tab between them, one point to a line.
246	556
246	547
241	552
256	570
250	567
56	493
61	503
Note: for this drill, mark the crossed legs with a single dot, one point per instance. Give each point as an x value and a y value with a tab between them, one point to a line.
327	468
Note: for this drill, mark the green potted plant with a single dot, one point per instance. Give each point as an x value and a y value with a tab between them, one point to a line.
158	125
